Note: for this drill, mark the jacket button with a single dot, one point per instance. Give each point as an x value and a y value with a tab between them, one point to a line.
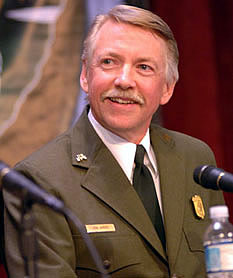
107	264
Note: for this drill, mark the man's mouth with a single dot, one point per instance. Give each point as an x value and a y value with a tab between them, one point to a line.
121	100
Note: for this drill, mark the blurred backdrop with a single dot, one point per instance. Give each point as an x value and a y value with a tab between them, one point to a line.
40	46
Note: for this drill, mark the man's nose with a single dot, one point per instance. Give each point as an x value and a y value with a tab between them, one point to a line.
125	79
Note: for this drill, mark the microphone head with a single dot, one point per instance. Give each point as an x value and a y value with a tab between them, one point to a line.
205	175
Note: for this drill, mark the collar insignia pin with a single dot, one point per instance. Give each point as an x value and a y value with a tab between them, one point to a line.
81	157
198	206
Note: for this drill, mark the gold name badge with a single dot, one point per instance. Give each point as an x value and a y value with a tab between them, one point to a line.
100	228
198	206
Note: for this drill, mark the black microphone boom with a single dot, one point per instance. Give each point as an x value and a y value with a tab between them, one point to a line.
16	182
213	178
20	185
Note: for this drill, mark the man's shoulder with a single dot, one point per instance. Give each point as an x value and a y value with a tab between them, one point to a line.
179	140
53	152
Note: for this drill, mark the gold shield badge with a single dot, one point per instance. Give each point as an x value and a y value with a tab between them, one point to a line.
198	206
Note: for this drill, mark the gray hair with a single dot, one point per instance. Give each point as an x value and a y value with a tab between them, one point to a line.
142	18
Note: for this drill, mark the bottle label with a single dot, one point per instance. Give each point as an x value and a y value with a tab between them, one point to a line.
219	257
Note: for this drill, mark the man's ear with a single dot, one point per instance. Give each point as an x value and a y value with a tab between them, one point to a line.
83	77
167	93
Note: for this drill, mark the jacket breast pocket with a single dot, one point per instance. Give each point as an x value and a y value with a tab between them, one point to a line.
119	254
194	238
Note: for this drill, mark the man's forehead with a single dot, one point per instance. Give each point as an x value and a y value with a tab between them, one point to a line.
122	34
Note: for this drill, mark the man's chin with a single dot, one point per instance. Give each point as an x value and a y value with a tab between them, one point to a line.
125	130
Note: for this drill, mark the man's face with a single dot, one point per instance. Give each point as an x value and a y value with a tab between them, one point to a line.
126	79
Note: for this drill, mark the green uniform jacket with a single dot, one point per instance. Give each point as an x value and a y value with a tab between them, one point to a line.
98	192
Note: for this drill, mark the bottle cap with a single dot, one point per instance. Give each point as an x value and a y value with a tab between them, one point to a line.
219	211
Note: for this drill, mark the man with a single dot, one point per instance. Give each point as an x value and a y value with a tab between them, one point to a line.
129	69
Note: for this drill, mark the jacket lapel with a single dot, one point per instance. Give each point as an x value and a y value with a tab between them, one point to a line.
172	180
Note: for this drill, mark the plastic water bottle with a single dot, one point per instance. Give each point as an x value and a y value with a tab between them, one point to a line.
218	243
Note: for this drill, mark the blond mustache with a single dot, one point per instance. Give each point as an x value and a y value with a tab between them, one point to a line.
132	96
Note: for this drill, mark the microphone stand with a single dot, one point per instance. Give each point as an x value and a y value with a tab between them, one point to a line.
28	243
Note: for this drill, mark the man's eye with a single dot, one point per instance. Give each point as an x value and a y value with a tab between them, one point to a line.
107	61
145	67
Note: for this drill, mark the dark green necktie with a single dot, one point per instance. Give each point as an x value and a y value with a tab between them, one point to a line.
144	185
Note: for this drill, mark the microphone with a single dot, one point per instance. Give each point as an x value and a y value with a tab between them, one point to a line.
213	178
14	181
20	185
